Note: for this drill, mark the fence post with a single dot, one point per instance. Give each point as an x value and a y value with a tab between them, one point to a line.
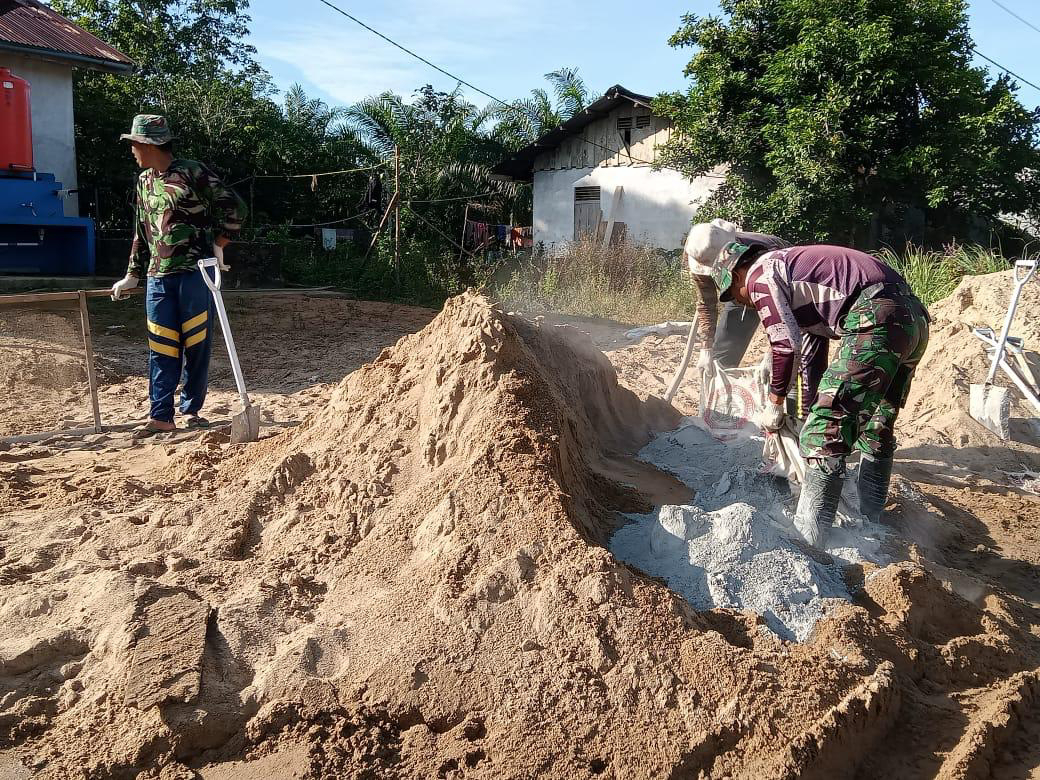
88	349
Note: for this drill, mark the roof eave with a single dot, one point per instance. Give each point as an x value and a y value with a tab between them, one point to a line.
598	109
81	60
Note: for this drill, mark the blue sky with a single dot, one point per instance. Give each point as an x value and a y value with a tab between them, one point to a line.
506	46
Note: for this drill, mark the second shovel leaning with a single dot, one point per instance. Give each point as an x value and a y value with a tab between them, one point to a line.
245	425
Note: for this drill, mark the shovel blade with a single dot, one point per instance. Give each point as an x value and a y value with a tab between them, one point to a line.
245	426
991	406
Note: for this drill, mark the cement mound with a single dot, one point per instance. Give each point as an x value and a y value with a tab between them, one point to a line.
414	583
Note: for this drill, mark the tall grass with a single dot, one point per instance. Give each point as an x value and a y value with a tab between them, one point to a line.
934	275
637	285
627	283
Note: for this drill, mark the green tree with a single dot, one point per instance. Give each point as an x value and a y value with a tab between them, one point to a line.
194	66
841	119
447	147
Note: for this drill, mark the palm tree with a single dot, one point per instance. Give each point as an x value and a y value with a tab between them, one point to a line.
524	121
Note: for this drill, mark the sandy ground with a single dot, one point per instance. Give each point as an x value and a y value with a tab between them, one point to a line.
407	578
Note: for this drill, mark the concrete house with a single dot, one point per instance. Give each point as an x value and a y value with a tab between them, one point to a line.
593	175
42	47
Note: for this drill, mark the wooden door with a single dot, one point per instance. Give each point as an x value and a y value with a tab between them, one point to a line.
587	212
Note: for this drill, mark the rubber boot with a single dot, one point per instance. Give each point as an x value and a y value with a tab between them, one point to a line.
818	503
872	484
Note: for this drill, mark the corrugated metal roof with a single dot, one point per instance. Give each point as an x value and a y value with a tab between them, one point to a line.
32	27
519	166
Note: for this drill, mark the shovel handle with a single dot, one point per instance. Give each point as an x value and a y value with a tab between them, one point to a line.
210	262
1023	263
1016	293
229	341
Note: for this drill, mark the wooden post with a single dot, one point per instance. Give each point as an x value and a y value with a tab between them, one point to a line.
612	216
88	349
462	241
397	215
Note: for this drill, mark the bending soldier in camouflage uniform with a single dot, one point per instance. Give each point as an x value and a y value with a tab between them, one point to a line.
184	213
805	297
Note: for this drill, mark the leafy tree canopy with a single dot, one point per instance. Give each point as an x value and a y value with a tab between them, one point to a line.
849	120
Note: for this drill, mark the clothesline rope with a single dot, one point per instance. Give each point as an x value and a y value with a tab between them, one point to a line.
307	175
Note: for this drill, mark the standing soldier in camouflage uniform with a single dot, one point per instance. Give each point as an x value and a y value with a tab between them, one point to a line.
184	213
805	297
724	335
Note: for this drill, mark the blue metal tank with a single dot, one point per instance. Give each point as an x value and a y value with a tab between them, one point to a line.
35	235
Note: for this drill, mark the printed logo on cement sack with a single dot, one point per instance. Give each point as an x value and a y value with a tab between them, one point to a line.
730	403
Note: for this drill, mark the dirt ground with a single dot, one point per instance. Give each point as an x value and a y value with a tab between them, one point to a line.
407	576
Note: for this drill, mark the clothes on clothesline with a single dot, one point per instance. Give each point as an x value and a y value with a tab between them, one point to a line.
521	238
484	235
373	197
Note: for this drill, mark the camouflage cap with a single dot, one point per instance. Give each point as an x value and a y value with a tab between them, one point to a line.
722	270
149	129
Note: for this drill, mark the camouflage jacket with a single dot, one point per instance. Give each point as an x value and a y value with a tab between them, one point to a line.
179	214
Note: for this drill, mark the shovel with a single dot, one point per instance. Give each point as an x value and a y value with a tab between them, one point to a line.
245	426
989	405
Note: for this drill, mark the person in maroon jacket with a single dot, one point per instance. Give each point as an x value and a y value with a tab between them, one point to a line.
806	297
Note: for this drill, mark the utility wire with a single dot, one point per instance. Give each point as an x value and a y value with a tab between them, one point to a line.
443	235
1006	70
1026	23
312	175
305	175
461	80
326	224
447	200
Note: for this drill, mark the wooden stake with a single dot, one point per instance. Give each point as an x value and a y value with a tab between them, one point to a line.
397	216
88	349
462	241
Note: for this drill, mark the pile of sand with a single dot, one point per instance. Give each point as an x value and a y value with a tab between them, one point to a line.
936	416
414	583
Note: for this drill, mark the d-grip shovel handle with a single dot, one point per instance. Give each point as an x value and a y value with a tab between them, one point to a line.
210	262
1016	293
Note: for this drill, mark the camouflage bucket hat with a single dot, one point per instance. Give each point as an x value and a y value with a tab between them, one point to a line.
148	129
722	271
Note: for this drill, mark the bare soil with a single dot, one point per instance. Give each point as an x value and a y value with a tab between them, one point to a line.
407	577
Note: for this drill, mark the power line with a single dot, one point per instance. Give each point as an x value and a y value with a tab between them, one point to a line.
305	175
441	232
461	80
409	52
461	197
333	222
1026	23
312	175
1006	70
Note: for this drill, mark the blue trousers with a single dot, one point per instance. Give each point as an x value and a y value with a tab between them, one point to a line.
180	337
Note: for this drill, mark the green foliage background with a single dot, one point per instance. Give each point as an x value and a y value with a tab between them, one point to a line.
195	67
860	122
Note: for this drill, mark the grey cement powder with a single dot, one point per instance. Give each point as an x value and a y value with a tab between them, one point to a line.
732	546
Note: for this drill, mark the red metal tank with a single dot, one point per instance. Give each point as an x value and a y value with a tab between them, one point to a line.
16	152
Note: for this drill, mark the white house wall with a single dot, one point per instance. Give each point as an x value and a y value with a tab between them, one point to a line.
656	206
54	143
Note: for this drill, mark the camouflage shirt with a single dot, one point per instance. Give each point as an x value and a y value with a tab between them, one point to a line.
179	214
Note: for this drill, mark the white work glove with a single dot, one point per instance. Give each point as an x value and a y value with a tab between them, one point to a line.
772	416
704	361
120	288
218	252
764	369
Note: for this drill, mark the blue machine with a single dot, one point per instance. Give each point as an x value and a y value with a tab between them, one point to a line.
35	235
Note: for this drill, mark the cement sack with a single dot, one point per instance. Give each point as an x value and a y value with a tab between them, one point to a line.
781	455
731	399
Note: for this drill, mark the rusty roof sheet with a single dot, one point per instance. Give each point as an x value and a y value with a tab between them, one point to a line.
32	27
